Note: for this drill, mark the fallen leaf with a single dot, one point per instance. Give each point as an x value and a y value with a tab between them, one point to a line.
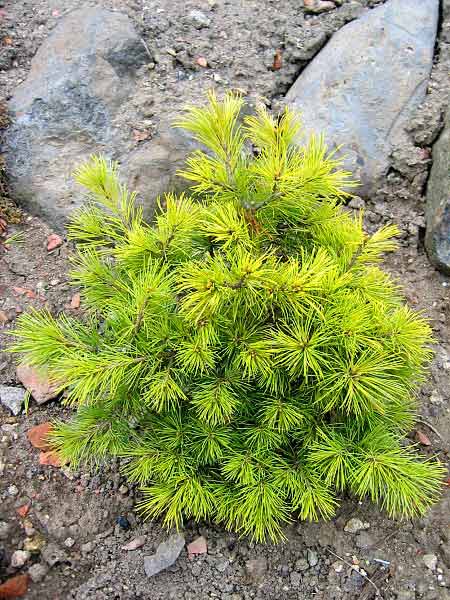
50	458
16	587
135	544
202	62
447	482
23	510
198	546
7	41
37	436
422	438
76	301
277	60
53	241
3	317
36	383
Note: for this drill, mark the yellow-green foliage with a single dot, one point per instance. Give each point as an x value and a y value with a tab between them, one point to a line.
244	352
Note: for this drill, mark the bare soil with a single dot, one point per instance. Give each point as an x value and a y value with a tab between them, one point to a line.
239	44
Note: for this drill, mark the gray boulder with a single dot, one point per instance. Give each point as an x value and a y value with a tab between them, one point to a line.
363	86
437	237
73	104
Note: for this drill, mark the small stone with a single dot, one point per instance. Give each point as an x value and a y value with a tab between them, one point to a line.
199	19
37	436
202	62
36	383
75	301
256	568
123	490
296	579
222	564
4	530
135	544
53	554
12	398
302	564
28	528
123	523
430	561
422	438
337	566
165	555
69	542
354	525
13	490
87	547
53	241
357	203
318	6
198	546
23	510
14	587
19	558
313	558
37	572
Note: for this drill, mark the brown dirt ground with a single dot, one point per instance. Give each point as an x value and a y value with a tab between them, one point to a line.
85	507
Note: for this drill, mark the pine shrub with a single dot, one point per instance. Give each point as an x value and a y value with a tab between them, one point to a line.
244	354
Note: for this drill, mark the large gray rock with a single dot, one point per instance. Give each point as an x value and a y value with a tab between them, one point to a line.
364	85
165	556
73	104
437	237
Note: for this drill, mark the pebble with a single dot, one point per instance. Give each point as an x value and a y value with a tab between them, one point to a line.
302	564
430	561
37	572
199	19
296	579
53	554
357	203
13	490
354	525
28	528
69	542
318	6
19	558
338	566
87	547
123	523
221	564
4	530
135	544
313	558
165	556
123	490
12	398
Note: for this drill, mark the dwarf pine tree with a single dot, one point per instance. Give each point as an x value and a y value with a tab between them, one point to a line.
244	353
